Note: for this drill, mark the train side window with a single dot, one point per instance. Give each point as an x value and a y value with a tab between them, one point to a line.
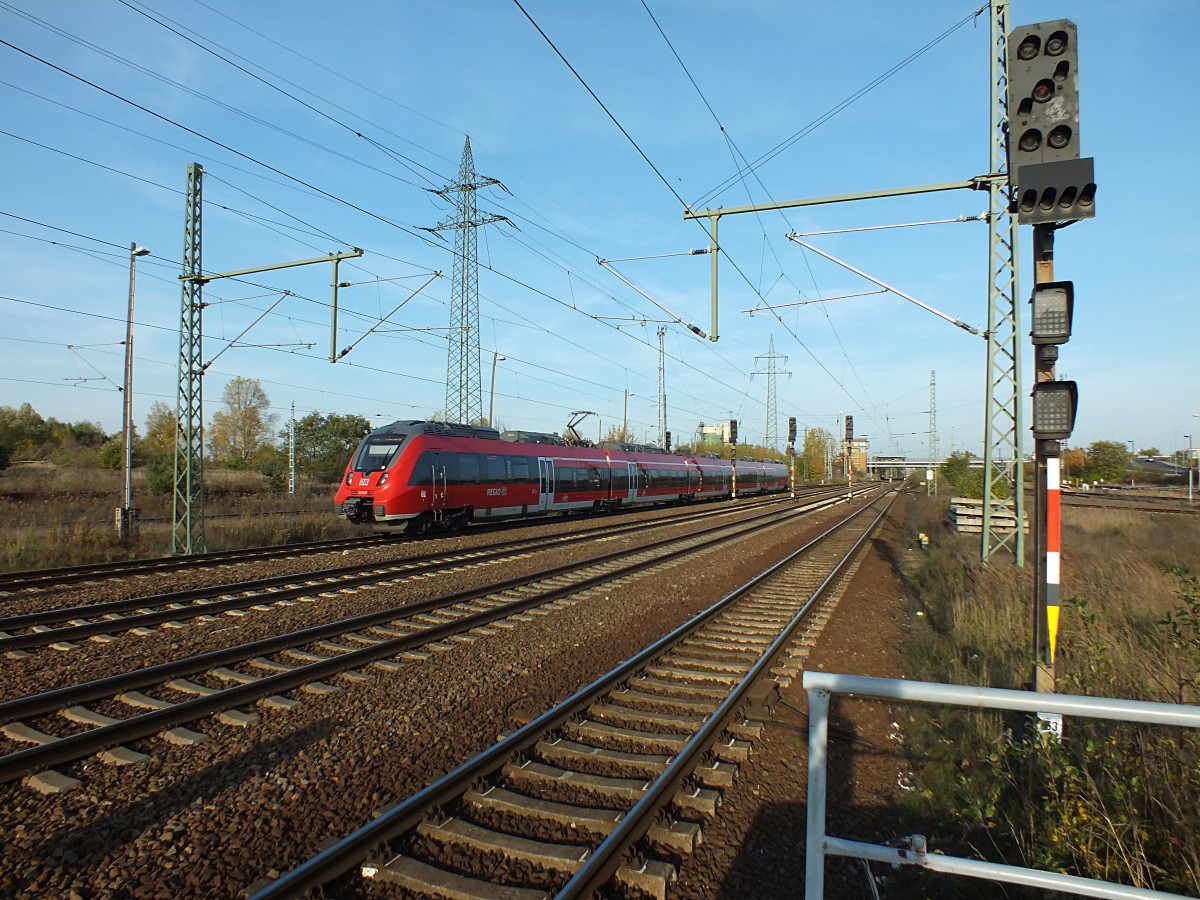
594	482
520	469
496	473
468	469
620	477
422	473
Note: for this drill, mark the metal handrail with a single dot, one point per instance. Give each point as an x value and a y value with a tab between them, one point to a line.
820	685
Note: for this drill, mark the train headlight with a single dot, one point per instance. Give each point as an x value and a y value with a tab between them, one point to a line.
349	478
383	478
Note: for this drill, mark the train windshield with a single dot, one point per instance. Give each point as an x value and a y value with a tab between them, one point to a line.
378	452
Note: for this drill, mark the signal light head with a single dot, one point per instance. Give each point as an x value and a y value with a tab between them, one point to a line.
1030	47
1054	406
1056	44
1049	179
1053	305
1059	137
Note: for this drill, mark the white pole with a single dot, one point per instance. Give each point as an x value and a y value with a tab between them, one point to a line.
125	516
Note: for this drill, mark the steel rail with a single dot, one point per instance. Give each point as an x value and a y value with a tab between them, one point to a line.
38	578
83	744
64	575
253	592
339	858
604	861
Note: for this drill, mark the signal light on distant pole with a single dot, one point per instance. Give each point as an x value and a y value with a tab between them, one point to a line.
849	428
1053	305
791	429
1054	406
733	431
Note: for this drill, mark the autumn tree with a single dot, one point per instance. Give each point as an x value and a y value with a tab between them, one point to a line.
810	460
618	433
1074	462
237	431
1106	461
160	431
23	429
27	435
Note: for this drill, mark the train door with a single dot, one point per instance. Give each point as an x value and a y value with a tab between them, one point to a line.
545	484
437	494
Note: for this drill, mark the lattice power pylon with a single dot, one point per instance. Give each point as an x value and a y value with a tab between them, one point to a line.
464	386
771	438
933	441
1002	445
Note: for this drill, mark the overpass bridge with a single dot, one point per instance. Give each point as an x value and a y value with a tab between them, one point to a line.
893	464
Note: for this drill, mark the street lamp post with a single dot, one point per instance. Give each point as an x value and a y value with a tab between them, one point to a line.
496	357
126	518
1188	460
1133	466
625	416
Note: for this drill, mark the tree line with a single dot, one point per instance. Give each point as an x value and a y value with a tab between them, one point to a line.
1100	462
242	434
245	434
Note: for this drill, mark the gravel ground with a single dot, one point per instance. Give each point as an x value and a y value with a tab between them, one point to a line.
207	821
756	847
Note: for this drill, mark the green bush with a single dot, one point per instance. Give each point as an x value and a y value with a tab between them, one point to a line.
160	475
272	463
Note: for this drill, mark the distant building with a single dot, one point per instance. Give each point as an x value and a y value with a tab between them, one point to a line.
857	450
714	435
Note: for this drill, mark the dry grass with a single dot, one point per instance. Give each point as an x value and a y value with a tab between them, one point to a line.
53	516
1111	801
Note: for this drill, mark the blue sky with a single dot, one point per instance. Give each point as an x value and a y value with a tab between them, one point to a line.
382	96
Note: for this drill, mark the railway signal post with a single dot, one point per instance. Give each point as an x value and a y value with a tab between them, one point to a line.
733	456
1052	187
792	456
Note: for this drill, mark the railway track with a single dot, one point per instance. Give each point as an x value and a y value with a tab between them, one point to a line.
238	684
59	627
49	578
44	579
1129	504
616	781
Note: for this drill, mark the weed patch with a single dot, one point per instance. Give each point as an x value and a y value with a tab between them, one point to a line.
1113	801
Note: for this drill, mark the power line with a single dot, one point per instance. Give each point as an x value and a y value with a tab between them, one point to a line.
122	60
211	140
735	152
162	23
833	111
249	158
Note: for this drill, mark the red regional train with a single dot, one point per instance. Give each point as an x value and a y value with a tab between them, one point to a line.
414	476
